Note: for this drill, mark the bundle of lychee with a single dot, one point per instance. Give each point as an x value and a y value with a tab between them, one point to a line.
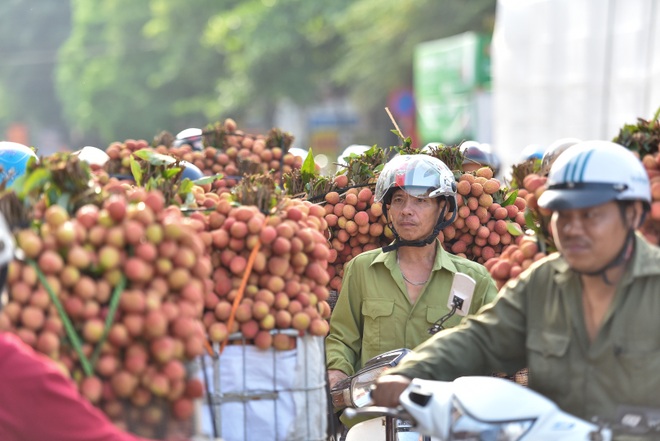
530	184
487	221
643	139
115	295
514	259
270	257
227	151
527	185
356	224
355	221
651	227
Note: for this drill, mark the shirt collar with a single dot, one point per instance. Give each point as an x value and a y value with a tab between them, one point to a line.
442	259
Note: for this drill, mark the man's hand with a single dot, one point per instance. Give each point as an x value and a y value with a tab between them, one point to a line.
335	376
388	390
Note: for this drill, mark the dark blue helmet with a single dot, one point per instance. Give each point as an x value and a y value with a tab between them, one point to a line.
190	171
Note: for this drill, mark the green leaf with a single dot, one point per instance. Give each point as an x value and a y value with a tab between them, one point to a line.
33	182
154	158
171	172
510	198
186	186
529	219
308	169
136	170
513	228
208	179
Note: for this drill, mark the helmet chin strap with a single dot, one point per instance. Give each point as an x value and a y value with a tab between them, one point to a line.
624	253
439	226
622	257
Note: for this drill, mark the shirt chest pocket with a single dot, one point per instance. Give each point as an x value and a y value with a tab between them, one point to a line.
548	366
639	362
379	329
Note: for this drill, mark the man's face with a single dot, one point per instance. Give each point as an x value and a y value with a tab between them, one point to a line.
413	218
590	238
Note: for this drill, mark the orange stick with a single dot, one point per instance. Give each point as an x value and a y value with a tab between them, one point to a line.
241	290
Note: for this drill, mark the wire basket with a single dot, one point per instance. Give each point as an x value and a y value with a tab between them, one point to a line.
257	394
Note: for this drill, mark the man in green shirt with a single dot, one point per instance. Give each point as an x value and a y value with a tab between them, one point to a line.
584	320
391	297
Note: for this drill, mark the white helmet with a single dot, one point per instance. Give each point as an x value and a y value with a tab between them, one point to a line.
419	176
354	149
192	136
297	151
92	155
592	173
6	253
475	153
532	151
553	151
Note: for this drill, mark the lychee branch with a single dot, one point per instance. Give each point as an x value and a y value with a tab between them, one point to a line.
68	326
109	320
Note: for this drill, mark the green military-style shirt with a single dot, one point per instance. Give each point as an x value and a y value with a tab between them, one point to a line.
374	314
538	321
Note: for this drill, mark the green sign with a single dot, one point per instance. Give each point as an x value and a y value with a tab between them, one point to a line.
447	74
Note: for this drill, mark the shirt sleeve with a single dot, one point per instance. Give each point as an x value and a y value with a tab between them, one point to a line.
486	290
344	341
46	405
491	341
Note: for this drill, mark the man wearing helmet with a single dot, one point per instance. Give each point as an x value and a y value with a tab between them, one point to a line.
583	320
390	297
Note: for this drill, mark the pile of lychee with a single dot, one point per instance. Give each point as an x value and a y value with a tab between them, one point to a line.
651	227
483	227
145	257
356	223
236	154
270	273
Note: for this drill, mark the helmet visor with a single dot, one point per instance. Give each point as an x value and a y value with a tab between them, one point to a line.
571	196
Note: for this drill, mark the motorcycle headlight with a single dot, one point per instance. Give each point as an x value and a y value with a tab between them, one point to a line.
361	387
357	392
464	427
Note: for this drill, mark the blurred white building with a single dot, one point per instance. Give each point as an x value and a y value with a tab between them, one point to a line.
578	68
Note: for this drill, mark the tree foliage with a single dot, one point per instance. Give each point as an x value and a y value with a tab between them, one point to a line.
276	49
132	69
380	38
30	34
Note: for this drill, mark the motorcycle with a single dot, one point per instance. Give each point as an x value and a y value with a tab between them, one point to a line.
496	409
354	392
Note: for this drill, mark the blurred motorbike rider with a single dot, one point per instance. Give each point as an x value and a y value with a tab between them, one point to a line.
390	297
584	320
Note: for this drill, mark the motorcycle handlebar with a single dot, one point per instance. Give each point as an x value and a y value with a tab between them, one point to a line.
378	411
